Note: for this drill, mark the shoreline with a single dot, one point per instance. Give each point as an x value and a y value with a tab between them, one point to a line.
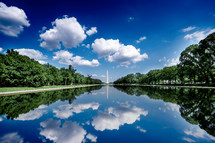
42	90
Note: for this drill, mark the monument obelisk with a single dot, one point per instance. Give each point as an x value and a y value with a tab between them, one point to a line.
107	84
107	77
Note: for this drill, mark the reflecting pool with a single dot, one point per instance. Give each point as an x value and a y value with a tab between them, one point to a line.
109	114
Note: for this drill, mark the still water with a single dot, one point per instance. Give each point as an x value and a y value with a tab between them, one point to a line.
109	114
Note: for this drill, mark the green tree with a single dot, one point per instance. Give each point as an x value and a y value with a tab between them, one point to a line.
206	53
18	70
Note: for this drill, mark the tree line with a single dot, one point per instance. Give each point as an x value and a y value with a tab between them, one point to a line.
18	70
196	66
13	106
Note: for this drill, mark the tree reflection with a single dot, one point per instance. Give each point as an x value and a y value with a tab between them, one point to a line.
15	105
197	106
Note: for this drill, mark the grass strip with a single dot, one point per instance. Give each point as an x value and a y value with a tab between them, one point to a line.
10	89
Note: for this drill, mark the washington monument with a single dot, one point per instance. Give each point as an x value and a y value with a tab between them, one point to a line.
107	77
107	83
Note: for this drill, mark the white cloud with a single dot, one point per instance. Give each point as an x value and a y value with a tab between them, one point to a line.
188	28
92	31
188	140
198	35
88	122
33	54
127	54
12	20
91	137
94	75
198	133
69	132
1	49
77	60
63	54
116	117
65	111
117	52
97	76
31	115
211	31
105	47
130	19
141	39
42	62
141	129
11	138
87	46
172	62
163	59
169	62
43	29
65	57
66	30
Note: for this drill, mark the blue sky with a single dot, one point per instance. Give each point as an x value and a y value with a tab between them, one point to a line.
121	36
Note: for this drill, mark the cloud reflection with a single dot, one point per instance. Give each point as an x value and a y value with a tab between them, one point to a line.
11	138
91	137
105	121
116	117
32	115
141	129
69	132
170	107
188	140
65	111
198	133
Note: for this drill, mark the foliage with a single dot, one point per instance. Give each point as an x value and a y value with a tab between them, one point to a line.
17	70
129	79
198	61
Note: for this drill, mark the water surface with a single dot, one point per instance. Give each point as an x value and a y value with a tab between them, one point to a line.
109	114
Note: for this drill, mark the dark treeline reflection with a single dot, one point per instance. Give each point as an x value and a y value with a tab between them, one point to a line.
15	105
197	106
